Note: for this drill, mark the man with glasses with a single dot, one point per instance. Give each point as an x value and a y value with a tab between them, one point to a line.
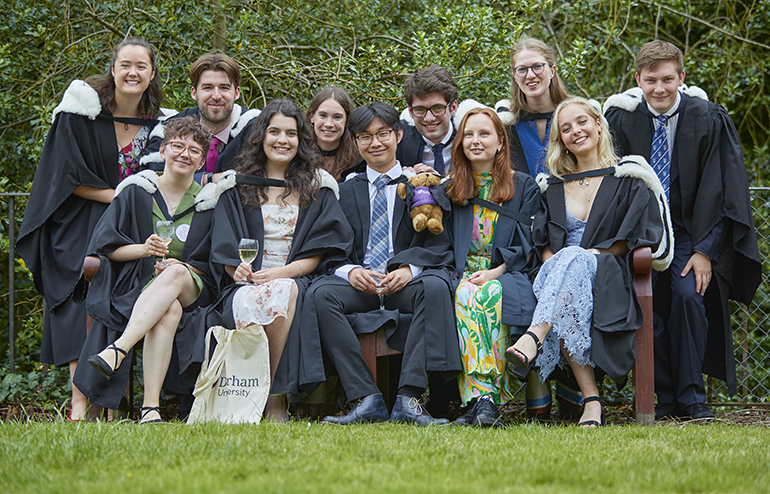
694	148
216	80
431	97
392	273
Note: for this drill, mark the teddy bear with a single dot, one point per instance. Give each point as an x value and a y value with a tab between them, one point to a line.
426	202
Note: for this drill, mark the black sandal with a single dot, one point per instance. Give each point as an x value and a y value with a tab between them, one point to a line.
143	413
102	366
521	363
588	423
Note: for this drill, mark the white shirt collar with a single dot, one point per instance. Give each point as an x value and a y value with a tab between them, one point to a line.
393	173
445	140
671	110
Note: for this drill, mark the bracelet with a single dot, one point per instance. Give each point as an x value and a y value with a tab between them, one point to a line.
300	269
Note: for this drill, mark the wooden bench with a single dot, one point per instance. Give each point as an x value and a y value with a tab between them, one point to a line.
377	352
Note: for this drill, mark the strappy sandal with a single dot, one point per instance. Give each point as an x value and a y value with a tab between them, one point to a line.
589	423
521	363
102	366
146	410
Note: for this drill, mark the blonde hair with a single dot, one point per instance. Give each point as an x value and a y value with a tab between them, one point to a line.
556	89
559	160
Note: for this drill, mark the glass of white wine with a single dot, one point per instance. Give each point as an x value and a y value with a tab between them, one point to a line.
247	251
165	230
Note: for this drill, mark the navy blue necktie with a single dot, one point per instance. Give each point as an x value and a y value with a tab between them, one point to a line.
380	227
438	157
661	162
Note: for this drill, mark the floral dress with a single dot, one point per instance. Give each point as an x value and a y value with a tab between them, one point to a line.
261	304
128	157
483	338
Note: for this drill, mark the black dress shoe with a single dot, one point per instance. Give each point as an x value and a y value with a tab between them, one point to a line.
468	417
487	414
666	411
371	408
697	411
409	410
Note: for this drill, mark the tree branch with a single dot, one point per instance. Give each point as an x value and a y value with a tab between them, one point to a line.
105	24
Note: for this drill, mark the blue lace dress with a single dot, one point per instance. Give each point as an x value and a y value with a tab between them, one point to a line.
564	288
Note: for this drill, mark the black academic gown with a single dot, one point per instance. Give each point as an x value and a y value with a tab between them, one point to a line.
321	229
623	209
712	188
57	224
116	286
432	252
512	244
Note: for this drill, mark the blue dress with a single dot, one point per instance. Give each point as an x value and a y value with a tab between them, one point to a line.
564	288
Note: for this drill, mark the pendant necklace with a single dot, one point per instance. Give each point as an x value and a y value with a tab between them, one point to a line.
171	209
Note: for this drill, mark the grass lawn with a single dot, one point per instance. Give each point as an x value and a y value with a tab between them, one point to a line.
98	457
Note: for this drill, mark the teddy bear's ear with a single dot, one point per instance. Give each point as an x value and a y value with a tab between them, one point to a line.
401	191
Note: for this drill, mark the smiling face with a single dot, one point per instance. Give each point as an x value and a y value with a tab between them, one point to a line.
132	70
379	155
536	87
183	156
433	127
579	132
215	95
281	141
329	122
660	85
481	142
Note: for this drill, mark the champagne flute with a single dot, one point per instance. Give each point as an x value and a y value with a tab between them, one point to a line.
165	230
247	251
384	271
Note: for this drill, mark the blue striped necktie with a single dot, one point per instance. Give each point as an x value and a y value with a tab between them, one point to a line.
661	162
380	226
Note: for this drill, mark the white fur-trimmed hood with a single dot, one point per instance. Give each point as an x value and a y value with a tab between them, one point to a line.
206	199
79	99
630	99
507	116
324	179
637	166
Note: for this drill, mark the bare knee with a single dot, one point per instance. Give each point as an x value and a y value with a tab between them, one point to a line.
176	273
170	320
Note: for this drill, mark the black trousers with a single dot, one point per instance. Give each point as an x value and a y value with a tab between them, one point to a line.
341	345
681	329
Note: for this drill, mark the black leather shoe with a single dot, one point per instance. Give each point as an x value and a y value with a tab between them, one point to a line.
371	408
409	410
697	411
666	411
469	417
487	414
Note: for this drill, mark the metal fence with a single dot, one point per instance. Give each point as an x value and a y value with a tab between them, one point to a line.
751	326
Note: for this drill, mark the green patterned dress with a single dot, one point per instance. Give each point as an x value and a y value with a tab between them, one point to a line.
483	338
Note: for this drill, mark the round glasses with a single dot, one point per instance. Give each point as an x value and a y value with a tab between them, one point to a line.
366	139
436	110
179	148
537	69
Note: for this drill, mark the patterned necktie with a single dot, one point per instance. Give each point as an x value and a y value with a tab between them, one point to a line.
438	157
213	154
661	162
380	226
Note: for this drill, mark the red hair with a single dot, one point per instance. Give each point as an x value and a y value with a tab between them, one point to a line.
462	187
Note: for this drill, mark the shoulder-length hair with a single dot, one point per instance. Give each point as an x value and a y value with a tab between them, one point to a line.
299	175
559	160
556	89
347	153
463	187
104	84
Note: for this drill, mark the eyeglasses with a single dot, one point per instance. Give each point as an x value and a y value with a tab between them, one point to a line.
179	148
436	110
537	69
366	139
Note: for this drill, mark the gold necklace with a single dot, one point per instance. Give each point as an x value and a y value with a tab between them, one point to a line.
171	209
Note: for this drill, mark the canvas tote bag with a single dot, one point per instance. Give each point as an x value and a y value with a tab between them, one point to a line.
234	383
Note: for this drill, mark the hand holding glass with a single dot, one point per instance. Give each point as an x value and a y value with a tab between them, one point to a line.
247	251
165	230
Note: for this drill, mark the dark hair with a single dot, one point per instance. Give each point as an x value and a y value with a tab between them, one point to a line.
301	172
657	52
556	89
362	116
463	187
188	126
347	154
430	79
104	84
216	61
